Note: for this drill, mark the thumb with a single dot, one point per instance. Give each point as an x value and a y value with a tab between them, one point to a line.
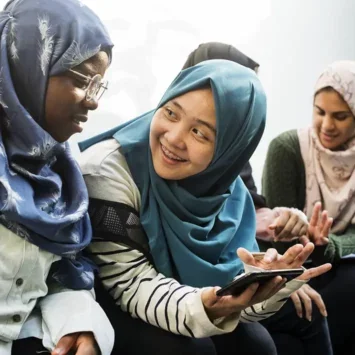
273	225
209	297
245	256
65	344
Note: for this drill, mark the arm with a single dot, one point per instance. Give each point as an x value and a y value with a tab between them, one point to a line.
139	289
337	247
66	311
146	294
283	176
247	176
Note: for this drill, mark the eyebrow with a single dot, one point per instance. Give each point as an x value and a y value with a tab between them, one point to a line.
85	70
335	112
196	119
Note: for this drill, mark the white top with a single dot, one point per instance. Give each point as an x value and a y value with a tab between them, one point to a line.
133	282
29	309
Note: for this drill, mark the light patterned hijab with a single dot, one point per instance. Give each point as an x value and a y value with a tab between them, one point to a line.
330	175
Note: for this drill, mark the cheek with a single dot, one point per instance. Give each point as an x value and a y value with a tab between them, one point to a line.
317	122
349	128
201	154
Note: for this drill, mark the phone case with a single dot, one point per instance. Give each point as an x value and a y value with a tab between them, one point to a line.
239	285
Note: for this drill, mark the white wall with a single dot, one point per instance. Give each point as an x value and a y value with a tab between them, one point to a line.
293	40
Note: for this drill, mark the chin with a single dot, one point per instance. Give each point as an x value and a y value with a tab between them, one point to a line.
166	174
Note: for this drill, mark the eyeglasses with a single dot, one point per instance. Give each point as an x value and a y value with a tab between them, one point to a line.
95	88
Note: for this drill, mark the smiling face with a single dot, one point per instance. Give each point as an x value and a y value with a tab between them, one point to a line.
183	135
65	105
332	119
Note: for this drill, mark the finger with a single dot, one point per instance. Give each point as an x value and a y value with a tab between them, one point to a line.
87	345
317	299
324	219
315	271
243	300
86	350
279	286
304	240
282	221
287	229
274	224
268	289
303	230
271	255
315	214
307	303
246	257
65	344
304	254
326	228
291	253
297	303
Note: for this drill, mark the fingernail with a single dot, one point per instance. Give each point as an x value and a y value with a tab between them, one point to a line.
57	351
299	315
309	318
324	313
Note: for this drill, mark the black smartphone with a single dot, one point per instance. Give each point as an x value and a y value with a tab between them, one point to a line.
237	286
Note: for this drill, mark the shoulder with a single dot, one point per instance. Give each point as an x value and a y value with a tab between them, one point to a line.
286	141
104	158
107	174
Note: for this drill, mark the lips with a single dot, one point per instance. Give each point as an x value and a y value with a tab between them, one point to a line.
170	155
328	136
80	118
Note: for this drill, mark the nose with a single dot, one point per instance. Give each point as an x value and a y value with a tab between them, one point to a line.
176	136
328	123
91	105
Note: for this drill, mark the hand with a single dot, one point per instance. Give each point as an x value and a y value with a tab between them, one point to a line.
319	227
306	294
222	306
78	343
294	257
280	224
289	224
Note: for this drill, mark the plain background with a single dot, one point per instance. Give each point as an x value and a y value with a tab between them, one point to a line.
293	40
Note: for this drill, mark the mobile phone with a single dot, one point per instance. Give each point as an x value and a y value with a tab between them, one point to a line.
240	284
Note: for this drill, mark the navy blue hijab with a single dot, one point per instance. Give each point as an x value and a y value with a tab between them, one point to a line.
195	225
43	197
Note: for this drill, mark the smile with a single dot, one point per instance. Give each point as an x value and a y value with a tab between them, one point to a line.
328	136
171	155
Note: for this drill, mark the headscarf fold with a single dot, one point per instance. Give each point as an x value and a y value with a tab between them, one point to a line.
195	225
330	175
43	197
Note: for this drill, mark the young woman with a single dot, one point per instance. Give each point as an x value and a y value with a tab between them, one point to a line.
279	223
169	212
53	55
313	166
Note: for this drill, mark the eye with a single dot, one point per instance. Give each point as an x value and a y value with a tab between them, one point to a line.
81	84
199	134
170	114
320	112
341	116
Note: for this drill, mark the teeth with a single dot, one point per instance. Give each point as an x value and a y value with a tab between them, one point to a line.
77	122
171	155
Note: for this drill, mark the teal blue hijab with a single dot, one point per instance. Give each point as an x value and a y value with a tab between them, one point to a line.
195	225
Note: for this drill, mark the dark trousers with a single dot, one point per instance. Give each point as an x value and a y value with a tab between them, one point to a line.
288	333
337	288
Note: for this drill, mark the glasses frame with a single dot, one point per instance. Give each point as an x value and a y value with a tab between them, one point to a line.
101	84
